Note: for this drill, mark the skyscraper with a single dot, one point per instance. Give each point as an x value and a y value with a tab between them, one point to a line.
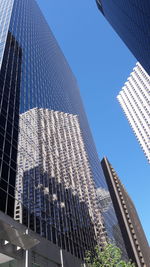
134	99
130	19
37	87
133	235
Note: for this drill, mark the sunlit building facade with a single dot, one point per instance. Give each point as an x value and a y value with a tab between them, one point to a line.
134	99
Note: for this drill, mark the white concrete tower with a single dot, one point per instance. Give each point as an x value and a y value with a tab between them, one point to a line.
134	99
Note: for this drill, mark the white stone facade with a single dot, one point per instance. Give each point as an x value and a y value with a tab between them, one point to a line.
134	99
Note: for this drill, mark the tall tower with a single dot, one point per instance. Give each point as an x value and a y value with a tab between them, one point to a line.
132	232
134	99
35	79
131	21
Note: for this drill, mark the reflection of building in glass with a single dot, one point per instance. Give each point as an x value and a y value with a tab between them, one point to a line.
5	15
54	181
111	223
132	232
131	21
104	199
134	99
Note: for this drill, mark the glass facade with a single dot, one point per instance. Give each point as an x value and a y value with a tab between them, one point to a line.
9	117
55	190
5	15
112	227
35	75
11	263
131	21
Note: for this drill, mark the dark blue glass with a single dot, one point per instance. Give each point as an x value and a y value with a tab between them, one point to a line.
131	21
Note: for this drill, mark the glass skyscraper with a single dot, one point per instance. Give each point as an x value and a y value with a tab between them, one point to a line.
49	168
131	21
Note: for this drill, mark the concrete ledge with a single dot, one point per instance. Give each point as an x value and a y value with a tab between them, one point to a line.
16	233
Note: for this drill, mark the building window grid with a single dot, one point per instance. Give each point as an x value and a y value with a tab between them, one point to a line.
135	100
54	195
9	79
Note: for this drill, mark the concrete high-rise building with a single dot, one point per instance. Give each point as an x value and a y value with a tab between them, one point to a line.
130	19
134	99
132	232
35	79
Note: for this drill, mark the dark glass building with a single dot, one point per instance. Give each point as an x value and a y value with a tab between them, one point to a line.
131	21
50	174
47	178
133	235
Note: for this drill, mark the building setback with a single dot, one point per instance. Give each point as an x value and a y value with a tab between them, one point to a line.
130	19
134	99
134	237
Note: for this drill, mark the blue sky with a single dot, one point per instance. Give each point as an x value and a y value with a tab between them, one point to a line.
101	64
